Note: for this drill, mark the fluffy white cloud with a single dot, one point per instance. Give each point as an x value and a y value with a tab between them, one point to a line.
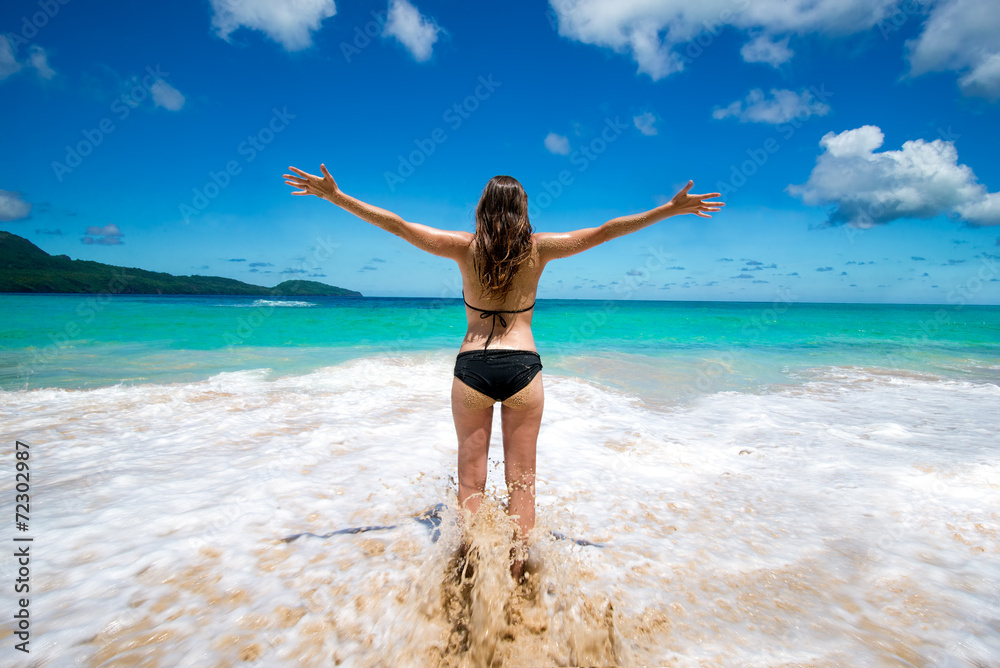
650	31
289	23
963	36
557	144
413	30
983	212
12	207
859	142
923	180
781	107
166	96
646	123
765	49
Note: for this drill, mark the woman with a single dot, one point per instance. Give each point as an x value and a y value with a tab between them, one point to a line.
500	264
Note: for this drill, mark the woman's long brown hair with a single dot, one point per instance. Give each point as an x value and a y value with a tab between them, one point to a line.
503	235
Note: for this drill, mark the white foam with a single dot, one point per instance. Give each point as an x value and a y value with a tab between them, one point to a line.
849	519
287	303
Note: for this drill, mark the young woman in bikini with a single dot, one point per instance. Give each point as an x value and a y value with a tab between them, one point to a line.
501	265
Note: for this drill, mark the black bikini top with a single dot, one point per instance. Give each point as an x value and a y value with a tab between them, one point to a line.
486	314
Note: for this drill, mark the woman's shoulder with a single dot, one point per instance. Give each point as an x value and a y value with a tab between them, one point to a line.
545	242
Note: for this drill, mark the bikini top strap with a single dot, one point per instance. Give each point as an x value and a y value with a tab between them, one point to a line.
487	313
483	314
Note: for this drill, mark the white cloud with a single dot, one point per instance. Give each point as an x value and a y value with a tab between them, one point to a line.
781	107
12	207
651	31
984	79
646	123
557	144
166	96
764	49
290	23
963	36
858	142
8	63
109	230
109	235
923	180
39	60
413	30
984	212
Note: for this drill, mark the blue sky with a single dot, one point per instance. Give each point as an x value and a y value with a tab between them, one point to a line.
854	140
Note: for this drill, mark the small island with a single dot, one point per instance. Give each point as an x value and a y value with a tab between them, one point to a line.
24	267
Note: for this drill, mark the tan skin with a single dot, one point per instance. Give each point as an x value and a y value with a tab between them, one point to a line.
521	414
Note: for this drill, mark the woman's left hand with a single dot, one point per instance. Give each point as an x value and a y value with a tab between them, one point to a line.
323	187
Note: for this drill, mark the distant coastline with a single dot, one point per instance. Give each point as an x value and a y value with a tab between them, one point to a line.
24	267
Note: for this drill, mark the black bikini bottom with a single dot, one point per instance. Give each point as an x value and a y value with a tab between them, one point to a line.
498	373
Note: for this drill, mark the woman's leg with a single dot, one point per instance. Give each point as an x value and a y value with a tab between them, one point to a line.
521	419
473	414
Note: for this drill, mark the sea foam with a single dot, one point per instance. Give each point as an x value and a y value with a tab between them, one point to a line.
849	518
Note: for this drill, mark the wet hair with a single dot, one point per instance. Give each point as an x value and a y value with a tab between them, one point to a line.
503	235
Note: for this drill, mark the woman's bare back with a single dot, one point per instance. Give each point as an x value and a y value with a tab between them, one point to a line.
517	334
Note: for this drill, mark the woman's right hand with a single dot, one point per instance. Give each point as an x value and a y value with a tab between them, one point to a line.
683	202
323	187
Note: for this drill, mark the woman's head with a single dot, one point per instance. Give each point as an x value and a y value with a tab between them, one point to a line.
503	234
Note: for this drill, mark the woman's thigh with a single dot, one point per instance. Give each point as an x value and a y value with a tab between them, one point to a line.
521	419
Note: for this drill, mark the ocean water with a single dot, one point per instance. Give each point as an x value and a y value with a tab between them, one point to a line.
719	484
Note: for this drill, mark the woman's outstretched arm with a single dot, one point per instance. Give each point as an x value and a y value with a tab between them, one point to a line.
554	245
445	243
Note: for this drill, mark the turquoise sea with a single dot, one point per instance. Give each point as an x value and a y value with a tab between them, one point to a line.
78	341
742	484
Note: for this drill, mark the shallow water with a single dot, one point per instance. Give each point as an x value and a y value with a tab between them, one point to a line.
840	515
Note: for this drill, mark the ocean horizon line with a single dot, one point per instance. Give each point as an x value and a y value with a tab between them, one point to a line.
956	305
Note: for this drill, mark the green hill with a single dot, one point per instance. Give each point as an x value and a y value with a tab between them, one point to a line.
24	267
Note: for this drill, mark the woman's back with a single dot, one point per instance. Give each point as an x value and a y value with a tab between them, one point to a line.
524	287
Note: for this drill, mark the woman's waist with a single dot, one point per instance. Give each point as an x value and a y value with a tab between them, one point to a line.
510	340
